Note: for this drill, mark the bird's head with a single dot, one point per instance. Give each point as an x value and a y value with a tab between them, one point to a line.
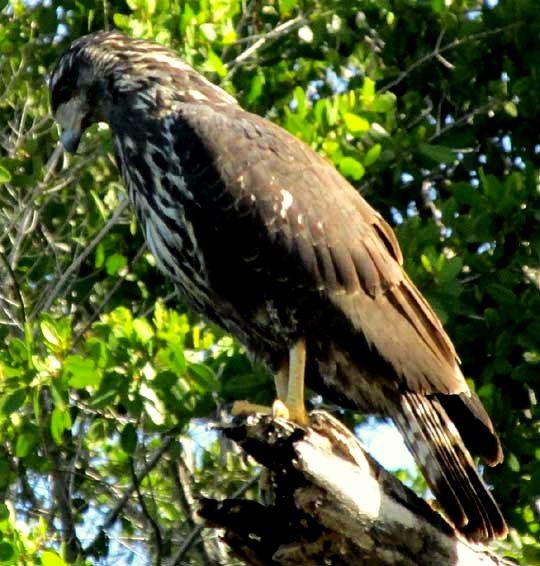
78	87
105	74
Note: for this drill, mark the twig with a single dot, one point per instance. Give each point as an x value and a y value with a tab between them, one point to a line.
108	296
51	297
153	524
207	552
277	32
491	105
113	514
246	11
15	287
437	52
60	488
41	187
191	538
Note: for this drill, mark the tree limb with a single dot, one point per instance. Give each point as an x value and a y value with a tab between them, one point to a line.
332	504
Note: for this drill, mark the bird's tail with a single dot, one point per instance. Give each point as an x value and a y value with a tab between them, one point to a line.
440	452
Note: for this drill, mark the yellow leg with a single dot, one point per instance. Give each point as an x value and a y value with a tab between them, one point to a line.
281	380
295	392
289	382
290	386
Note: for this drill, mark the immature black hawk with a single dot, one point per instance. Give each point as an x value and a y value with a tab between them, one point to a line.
265	238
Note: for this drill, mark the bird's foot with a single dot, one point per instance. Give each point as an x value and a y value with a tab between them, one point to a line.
248	408
296	414
278	409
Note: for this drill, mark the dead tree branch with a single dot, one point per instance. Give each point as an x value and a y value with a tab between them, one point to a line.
332	504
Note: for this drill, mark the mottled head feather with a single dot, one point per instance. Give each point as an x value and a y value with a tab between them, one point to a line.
129	65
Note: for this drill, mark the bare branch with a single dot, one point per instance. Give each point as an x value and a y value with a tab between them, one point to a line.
51	296
113	514
108	296
158	539
15	286
438	51
62	495
274	34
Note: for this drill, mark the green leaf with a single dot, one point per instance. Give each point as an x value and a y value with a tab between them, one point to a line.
451	269
60	422
216	64
13	402
287	6
300	97
5	175
51	558
4	512
493	188
109	389
511	109
143	330
256	87
368	93
25	443
98	350
115	263
202	375
372	154
512	462
438	153
99	256
50	332
150	6
501	295
351	168
7	552
18	350
355	124
81	372
128	438
121	21
426	263
384	103
464	193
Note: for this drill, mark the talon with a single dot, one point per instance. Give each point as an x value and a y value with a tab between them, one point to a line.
279	409
290	390
299	417
247	408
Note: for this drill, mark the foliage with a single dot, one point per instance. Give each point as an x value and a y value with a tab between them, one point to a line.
429	107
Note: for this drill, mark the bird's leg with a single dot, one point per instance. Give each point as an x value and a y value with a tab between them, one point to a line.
289	381
281	381
290	386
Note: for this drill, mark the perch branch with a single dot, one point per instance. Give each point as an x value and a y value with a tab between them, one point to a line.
332	504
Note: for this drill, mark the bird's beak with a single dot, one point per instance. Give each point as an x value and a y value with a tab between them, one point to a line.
69	116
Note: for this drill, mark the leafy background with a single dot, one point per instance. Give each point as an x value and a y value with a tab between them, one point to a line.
429	107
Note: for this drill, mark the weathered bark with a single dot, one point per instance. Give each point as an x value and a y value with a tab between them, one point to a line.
332	504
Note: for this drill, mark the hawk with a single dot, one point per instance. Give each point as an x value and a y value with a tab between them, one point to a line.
264	237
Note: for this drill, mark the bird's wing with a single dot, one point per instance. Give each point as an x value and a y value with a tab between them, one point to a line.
339	243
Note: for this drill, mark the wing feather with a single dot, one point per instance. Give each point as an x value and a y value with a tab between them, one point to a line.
334	241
